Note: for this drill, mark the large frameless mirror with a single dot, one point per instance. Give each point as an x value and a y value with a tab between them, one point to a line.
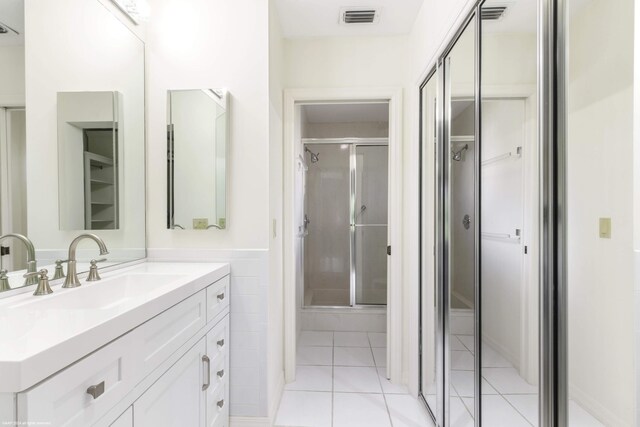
197	159
72	142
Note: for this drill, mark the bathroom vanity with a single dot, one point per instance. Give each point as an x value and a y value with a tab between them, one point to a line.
148	345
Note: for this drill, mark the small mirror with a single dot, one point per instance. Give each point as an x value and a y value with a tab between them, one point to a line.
197	152
88	154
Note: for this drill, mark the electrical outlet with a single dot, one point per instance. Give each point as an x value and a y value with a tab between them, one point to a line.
605	228
200	223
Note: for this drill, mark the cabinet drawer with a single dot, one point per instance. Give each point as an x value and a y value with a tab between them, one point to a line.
165	333
217	298
64	400
218	407
219	371
218	339
218	392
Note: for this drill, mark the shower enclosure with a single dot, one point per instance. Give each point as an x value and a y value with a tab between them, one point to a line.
345	208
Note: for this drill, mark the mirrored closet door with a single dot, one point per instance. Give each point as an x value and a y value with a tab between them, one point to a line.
479	186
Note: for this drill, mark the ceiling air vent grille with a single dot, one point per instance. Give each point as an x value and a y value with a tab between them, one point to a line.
5	29
493	13
363	16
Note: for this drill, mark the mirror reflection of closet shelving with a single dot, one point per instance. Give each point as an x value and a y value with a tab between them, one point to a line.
100	169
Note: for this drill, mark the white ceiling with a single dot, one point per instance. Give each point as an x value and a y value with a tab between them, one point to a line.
346	113
12	14
320	18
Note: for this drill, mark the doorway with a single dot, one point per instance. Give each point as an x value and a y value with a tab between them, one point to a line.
342	192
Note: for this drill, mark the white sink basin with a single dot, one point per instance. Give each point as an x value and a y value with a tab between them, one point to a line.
39	335
102	295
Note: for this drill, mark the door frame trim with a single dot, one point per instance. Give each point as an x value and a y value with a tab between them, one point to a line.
396	369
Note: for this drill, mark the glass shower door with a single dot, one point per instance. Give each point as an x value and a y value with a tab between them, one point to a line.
327	264
369	224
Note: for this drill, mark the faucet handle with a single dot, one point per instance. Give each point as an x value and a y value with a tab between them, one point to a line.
43	282
59	271
4	281
93	270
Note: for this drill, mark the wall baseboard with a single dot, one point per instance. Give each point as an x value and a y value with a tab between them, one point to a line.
594	407
250	422
276	396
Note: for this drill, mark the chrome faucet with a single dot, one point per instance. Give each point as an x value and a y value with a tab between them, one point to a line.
31	255
72	275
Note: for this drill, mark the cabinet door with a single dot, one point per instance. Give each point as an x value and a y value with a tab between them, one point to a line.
218	392
177	398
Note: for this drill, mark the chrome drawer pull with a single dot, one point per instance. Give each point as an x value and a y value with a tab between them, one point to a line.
221	343
220	403
96	390
221	296
207	372
220	373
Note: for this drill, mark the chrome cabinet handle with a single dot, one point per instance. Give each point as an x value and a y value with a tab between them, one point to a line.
220	403
221	343
220	373
206	364
96	390
221	296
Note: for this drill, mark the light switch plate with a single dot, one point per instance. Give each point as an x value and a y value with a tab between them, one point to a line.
605	228
200	223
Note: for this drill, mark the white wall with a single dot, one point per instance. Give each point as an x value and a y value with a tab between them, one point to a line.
234	45
108	57
345	62
12	76
212	44
600	183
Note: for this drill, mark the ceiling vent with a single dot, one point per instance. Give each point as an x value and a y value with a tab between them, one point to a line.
492	13
5	29
359	16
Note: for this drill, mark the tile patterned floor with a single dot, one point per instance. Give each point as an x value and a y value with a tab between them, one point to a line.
508	400
340	382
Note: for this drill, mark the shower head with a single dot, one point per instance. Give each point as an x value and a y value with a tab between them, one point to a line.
457	155
314	156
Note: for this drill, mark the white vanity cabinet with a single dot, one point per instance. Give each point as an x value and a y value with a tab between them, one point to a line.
177	398
194	391
171	370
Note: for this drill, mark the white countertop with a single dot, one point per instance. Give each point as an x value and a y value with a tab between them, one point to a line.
40	335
